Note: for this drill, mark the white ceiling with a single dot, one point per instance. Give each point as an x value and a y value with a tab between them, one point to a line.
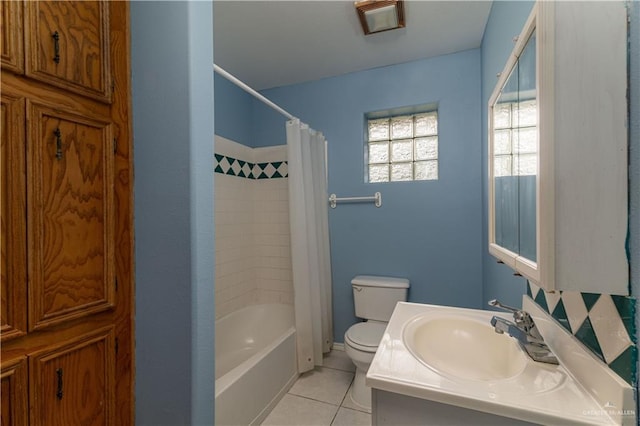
275	43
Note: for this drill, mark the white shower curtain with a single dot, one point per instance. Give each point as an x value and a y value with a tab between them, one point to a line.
308	217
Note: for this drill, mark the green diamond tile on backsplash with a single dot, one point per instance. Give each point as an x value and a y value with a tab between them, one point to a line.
560	315
590	299
542	301
587	335
626	307
624	364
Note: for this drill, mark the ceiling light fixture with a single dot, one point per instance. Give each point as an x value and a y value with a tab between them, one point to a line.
380	15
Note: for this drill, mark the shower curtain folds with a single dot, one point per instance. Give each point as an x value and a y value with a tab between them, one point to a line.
310	253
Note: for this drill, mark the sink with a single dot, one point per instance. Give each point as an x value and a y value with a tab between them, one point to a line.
464	348
452	356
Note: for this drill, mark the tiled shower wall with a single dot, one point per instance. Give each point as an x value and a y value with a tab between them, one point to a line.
253	254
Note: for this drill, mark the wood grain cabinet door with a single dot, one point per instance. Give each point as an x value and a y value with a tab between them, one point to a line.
13	260
68	46
11	42
74	383
14	392
70	180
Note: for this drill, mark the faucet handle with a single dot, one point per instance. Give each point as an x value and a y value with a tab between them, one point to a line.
522	318
497	304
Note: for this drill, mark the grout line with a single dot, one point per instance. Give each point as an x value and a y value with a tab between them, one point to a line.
341	405
347	392
313	399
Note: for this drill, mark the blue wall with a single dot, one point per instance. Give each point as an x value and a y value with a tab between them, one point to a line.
233	112
505	22
172	94
428	231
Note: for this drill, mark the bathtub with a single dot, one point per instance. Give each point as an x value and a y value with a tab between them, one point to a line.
255	362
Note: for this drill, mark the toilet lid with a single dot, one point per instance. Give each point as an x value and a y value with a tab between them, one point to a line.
367	334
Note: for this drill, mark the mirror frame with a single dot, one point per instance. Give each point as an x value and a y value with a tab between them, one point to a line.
526	267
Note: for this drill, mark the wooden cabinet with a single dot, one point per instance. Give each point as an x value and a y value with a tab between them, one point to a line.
14	393
11	40
66	214
560	219
67	44
73	383
13	278
71	222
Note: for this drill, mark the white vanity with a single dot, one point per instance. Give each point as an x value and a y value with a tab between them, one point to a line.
558	150
478	377
558	216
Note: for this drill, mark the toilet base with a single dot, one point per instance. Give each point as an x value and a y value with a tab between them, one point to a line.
360	392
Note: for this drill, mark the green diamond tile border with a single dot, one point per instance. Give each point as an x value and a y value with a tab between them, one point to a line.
625	365
587	335
224	165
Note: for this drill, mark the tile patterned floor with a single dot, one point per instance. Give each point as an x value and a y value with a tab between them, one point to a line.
321	397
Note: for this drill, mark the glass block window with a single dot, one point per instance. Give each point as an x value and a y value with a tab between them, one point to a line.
403	148
515	139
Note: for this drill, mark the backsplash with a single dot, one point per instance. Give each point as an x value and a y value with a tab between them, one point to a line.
604	323
252	238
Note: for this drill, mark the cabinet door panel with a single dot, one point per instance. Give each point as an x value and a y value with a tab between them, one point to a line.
68	46
74	383
71	222
13	261
11	44
14	393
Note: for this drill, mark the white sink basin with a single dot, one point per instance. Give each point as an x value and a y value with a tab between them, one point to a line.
452	356
464	348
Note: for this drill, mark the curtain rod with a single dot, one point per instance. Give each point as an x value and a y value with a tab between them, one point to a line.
251	91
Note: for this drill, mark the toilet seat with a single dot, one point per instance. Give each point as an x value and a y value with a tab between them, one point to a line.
365	336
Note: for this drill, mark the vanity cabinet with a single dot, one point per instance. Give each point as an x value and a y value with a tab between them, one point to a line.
392	409
558	150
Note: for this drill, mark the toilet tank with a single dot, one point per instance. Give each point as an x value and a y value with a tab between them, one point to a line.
375	297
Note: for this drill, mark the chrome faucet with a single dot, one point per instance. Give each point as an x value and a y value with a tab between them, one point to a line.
524	330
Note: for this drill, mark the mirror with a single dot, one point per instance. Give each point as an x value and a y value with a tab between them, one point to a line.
505	186
527	149
515	157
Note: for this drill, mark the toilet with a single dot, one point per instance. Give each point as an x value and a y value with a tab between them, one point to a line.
374	299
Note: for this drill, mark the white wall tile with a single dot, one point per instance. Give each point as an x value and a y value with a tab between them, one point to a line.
253	259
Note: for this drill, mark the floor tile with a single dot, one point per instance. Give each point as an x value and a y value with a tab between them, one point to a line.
348	417
349	404
323	384
297	411
338	360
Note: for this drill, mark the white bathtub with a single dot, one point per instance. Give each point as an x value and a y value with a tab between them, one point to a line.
255	362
